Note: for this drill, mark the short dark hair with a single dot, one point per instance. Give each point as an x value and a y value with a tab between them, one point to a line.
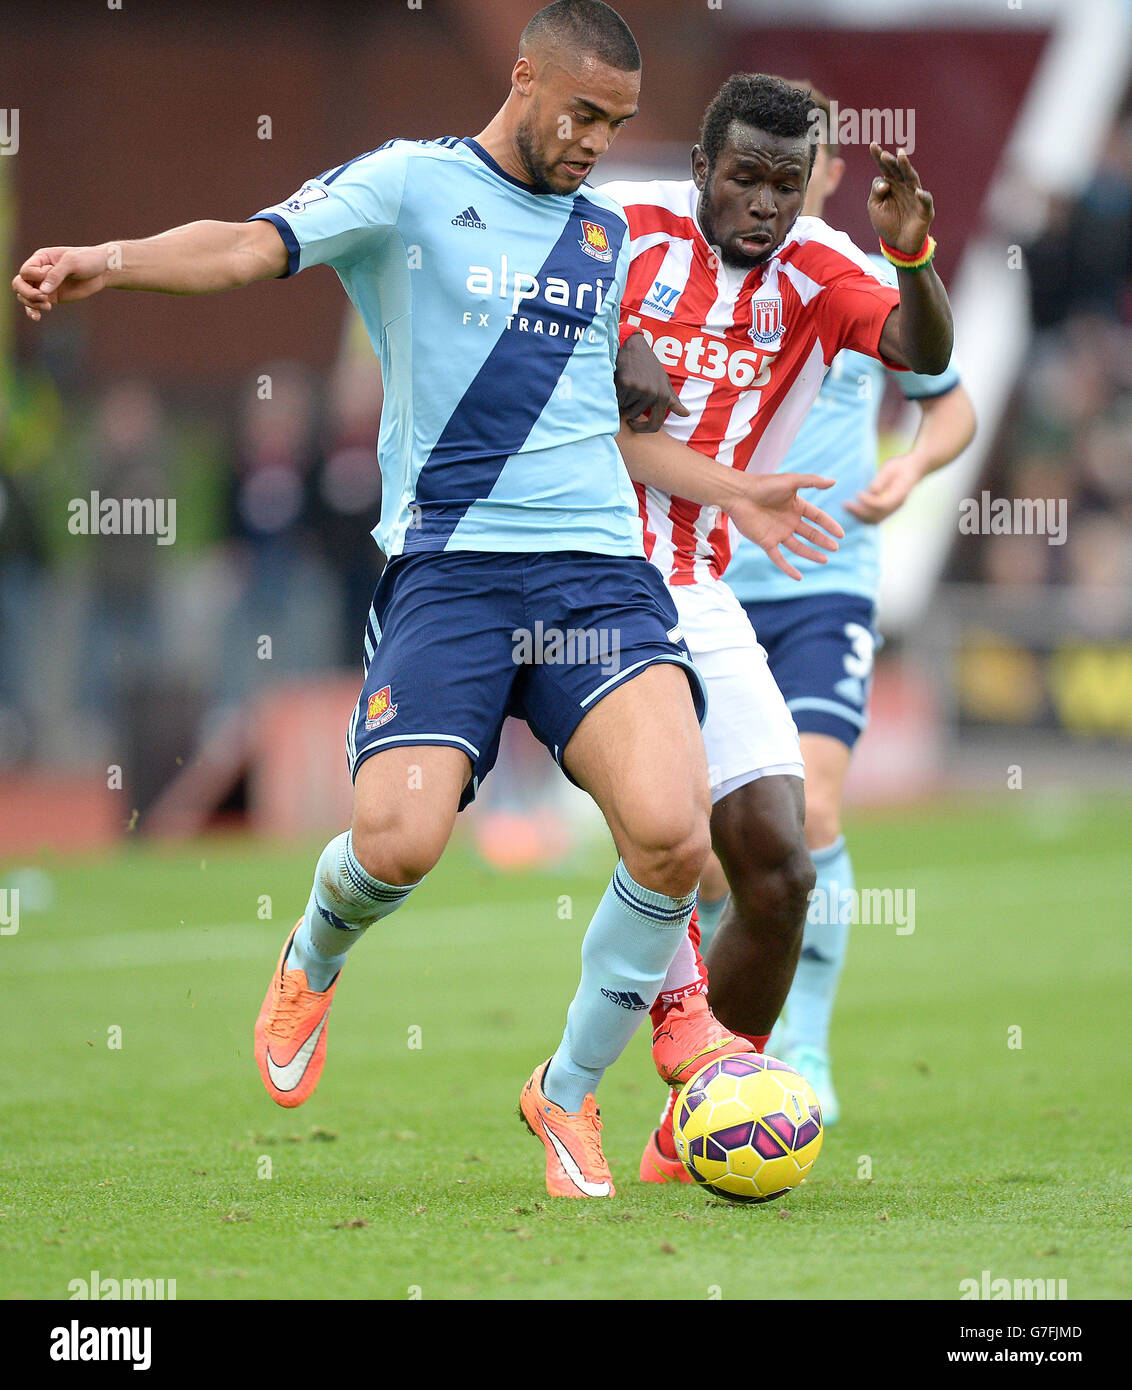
821	101
589	27
759	100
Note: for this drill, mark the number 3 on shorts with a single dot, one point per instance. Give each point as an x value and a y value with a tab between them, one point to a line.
859	662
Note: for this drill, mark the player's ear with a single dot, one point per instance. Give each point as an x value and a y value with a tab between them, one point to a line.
699	167
523	75
834	174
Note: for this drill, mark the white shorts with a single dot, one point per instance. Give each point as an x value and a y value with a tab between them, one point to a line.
749	732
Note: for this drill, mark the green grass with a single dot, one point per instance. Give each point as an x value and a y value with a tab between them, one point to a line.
409	1170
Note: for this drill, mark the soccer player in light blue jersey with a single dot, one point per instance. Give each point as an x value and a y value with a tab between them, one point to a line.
489	280
819	635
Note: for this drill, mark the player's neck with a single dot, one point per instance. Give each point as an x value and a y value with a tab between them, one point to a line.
498	139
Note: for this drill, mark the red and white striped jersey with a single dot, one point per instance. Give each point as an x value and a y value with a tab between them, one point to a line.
745	350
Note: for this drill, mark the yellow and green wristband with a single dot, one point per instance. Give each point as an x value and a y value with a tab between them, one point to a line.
923	257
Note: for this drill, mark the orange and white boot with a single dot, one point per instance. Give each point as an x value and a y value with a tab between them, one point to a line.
656	1165
575	1164
290	1033
689	1037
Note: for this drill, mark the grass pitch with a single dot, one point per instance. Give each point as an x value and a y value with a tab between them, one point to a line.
408	1173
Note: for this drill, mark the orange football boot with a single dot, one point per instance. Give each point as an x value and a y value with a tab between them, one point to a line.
575	1164
290	1033
656	1166
689	1038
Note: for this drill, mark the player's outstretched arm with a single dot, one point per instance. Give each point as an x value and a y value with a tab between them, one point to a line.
765	507
918	333
199	258
947	426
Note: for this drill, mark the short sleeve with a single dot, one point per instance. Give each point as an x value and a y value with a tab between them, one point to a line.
343	215
856	298
918	387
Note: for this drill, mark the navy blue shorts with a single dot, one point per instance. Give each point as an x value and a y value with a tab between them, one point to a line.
820	651
458	640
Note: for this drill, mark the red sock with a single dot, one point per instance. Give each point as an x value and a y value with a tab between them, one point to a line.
698	984
757	1040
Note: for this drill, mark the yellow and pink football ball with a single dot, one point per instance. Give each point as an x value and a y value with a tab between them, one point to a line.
748	1127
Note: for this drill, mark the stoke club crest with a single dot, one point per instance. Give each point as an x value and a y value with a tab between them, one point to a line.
766	321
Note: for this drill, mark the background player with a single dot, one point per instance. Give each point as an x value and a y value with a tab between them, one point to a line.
476	265
820	635
746	304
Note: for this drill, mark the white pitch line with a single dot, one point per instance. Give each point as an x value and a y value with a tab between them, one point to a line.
32	952
28	953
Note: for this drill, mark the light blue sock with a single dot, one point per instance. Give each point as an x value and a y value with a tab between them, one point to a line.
825	940
710	913
344	901
626	953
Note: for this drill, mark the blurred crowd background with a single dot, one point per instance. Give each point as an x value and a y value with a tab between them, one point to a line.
260	418
1068	433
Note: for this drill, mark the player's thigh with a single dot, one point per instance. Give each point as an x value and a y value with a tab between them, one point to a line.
760	827
748	732
827	765
713	881
405	804
640	754
821	650
426	727
618	705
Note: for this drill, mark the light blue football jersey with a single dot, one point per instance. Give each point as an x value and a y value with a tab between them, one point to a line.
494	311
838	439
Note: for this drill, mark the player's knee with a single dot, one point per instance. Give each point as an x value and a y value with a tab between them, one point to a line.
796	877
672	861
823	819
393	850
774	891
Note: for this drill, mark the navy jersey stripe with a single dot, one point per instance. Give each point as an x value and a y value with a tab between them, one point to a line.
496	410
332	174
289	239
445	142
479	151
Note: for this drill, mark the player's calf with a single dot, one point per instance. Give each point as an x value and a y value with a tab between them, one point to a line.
760	839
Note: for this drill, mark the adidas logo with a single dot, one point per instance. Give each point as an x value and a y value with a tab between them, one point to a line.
626	999
470	218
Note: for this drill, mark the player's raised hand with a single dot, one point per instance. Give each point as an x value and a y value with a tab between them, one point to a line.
644	393
900	210
60	274
772	515
887	491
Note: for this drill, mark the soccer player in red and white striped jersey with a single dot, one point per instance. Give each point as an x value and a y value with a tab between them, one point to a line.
720	332
745	304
